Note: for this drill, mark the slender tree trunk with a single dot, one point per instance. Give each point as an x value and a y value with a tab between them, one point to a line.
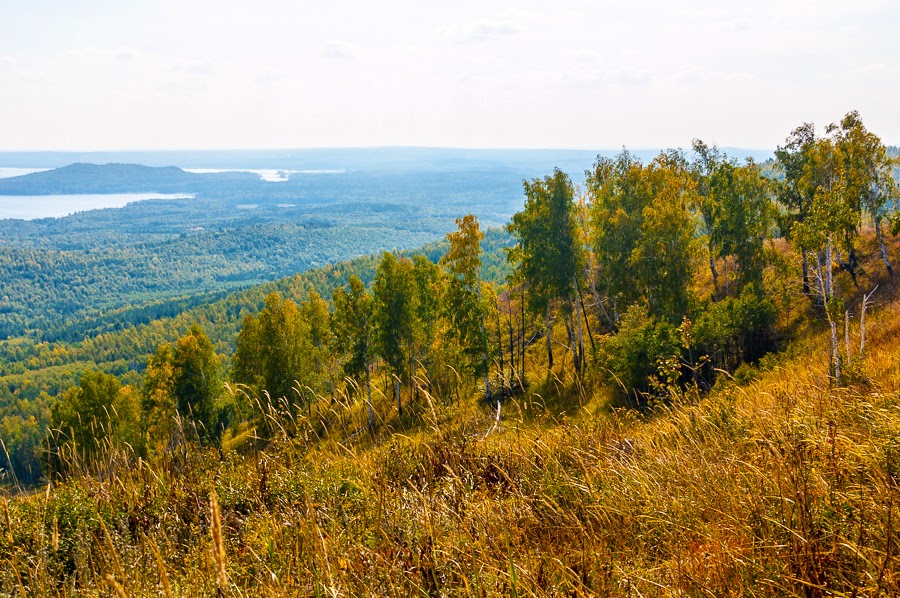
601	311
862	322
484	355
835	353
549	338
847	335
829	276
884	255
725	266
820	278
397	394
804	264
712	269
570	332
522	335
500	347
587	323
580	343
512	343
369	390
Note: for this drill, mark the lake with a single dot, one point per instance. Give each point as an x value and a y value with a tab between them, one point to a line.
269	175
31	207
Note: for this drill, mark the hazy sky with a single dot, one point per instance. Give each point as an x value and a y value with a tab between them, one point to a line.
164	74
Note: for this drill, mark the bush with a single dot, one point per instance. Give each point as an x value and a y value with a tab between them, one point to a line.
644	357
736	330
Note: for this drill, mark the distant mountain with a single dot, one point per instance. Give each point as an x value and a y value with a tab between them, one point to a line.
529	162
117	178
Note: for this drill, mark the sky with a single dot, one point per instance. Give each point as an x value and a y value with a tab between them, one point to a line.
223	74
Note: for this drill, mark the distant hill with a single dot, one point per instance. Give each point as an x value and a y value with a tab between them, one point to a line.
528	162
116	178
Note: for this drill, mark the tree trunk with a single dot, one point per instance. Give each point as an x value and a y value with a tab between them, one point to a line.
835	354
725	266
522	335
512	344
587	323
884	255
820	278
580	344
397	394
570	332
862	322
547	323
829	277
500	346
847	335
712	269
371	410
804	263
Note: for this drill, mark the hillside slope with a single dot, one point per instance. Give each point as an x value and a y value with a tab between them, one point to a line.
780	486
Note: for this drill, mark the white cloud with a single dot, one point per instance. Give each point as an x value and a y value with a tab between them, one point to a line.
483	31
194	68
475	73
339	50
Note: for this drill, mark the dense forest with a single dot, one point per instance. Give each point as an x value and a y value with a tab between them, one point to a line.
59	275
652	287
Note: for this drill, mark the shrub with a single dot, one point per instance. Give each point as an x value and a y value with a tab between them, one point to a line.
644	357
736	330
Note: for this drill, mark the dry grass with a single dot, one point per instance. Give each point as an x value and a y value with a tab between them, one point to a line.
784	486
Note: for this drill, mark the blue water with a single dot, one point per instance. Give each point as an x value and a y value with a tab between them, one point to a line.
30	207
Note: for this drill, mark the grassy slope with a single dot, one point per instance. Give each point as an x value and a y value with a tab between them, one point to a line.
783	486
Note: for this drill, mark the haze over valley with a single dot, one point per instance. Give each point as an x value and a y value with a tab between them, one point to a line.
482	298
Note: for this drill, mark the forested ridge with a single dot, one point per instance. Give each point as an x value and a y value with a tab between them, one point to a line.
669	343
237	232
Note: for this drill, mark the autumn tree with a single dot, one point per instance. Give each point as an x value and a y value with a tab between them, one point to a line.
158	402
429	280
794	195
643	232
865	175
547	252
462	305
314	310
91	419
198	387
275	353
394	317
351	325
744	218
706	161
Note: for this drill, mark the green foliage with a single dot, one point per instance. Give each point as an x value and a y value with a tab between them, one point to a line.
463	307
644	356
90	418
643	233
275	351
735	330
395	307
352	328
744	218
794	196
197	385
546	253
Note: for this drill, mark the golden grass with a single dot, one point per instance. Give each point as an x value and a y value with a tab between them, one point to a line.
783	486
